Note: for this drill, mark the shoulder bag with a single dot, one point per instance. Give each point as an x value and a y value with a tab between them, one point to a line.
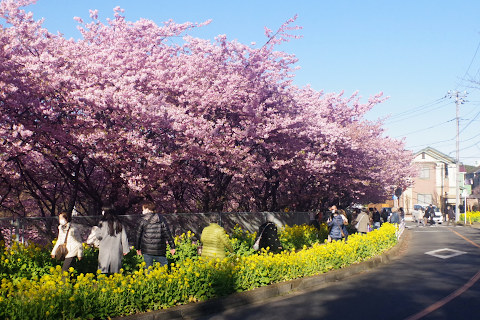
62	251
358	223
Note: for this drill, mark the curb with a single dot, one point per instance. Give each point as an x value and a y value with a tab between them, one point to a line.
217	305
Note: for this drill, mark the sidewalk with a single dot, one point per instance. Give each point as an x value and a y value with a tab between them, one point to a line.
201	309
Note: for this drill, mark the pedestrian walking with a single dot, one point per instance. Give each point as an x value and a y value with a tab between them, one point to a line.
336	222
402	214
450	216
346	222
214	241
394	217
362	221
420	218
430	213
268	235
376	219
315	219
113	242
384	215
426	216
153	234
68	241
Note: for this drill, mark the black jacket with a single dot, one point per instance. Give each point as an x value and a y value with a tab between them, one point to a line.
269	237
153	234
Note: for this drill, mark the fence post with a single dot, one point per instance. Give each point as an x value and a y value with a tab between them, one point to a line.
15	223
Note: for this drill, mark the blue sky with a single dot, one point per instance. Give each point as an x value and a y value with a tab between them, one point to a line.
412	50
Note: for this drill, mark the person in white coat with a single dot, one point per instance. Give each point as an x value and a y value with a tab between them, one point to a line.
113	242
67	232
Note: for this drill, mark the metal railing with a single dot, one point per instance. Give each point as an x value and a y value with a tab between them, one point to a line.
44	229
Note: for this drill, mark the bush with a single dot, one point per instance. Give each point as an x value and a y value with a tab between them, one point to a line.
20	261
56	295
471	216
297	237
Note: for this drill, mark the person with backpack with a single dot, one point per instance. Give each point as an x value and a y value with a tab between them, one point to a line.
152	236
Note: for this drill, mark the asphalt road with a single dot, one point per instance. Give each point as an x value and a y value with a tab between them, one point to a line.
415	286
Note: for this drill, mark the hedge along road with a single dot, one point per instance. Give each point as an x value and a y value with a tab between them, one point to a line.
436	278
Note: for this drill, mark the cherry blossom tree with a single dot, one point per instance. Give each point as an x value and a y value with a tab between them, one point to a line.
124	114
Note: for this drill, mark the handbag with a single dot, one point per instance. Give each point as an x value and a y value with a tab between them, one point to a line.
62	250
358	223
256	245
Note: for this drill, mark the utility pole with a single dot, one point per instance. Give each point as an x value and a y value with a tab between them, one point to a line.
459	99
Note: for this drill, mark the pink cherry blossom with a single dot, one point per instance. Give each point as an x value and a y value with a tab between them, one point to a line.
197	125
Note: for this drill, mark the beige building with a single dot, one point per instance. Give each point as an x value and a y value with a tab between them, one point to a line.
436	181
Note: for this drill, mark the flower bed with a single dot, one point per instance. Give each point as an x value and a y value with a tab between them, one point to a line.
190	279
471	216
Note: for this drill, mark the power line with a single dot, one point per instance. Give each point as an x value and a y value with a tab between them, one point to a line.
471	62
406	134
429	144
407	117
470	138
442	141
465	148
478	113
416	109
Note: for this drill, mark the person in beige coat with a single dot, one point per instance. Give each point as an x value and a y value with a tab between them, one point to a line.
362	221
67	231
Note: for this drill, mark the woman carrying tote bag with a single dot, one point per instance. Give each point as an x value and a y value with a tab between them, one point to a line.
67	246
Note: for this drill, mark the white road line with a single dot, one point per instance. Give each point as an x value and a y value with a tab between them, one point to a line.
445	253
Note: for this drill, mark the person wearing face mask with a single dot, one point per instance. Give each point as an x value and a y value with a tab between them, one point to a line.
67	233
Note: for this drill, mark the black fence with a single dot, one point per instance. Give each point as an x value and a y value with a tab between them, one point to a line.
42	230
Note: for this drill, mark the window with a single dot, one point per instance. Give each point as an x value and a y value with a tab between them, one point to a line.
425	173
423	155
424	198
446	170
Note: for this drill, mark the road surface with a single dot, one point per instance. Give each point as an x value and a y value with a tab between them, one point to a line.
438	277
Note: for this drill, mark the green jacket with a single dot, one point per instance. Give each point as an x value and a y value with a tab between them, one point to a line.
214	241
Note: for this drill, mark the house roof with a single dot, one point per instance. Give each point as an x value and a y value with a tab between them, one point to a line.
471	169
434	153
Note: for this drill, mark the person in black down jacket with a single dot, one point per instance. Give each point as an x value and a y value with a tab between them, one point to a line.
152	236
269	236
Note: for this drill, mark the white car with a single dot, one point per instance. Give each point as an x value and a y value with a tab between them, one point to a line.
419	210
